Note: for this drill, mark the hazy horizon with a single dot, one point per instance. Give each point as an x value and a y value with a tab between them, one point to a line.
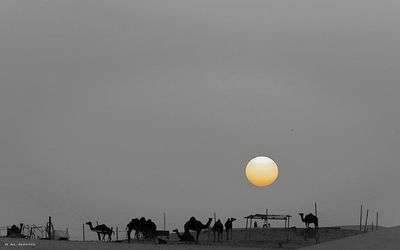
111	110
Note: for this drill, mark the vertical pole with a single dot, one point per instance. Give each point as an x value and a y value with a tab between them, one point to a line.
83	232
266	220
361	211
251	222
164	221
288	228
247	222
50	225
377	221
215	217
116	231
315	209
366	219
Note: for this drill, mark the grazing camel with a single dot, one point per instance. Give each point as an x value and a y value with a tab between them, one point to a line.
308	219
219	229
101	229
186	236
228	227
196	226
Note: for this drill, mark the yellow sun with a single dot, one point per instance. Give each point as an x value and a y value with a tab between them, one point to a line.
261	171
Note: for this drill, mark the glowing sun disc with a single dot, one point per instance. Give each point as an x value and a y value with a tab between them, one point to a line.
261	171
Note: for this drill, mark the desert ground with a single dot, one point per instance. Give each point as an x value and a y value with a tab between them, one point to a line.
272	238
383	239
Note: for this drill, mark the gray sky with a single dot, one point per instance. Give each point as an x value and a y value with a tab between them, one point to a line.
111	110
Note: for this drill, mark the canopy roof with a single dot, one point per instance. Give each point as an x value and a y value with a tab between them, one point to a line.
269	216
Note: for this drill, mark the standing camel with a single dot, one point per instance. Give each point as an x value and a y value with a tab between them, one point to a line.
133	225
101	229
197	226
219	229
143	228
308	219
228	227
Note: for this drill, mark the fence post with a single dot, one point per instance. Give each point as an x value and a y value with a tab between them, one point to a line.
164	221
83	232
361	210
315	209
366	220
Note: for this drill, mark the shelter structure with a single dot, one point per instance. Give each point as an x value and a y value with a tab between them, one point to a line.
266	218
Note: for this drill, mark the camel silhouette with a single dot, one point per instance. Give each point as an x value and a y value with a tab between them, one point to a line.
219	229
15	231
101	229
308	219
133	225
228	227
142	227
186	236
197	226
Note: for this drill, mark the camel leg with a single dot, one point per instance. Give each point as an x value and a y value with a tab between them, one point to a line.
128	234
197	237
98	236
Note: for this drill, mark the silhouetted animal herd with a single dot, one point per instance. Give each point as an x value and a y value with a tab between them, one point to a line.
143	228
147	229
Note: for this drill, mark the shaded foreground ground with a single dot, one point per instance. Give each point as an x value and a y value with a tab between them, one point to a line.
260	239
384	239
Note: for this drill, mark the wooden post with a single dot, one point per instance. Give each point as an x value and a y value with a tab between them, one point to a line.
251	221
164	221
377	221
49	229
247	222
366	219
315	209
83	232
361	211
116	231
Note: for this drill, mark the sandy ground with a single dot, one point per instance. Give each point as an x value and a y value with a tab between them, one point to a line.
383	239
61	245
272	238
